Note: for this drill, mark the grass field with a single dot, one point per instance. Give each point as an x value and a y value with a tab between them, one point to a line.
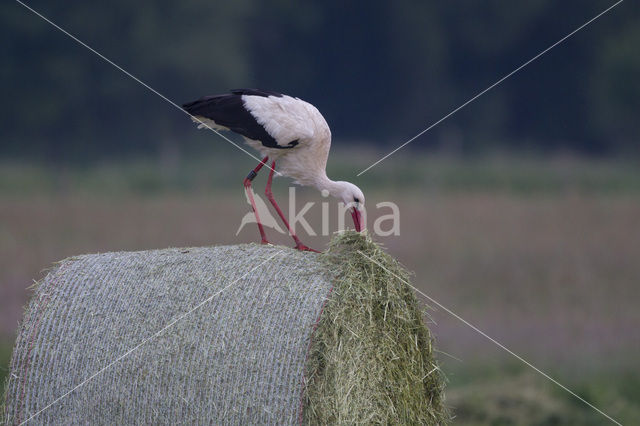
540	254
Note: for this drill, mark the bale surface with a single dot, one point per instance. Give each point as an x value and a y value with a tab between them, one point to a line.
237	359
244	334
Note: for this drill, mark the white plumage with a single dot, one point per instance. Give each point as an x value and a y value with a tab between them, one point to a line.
288	119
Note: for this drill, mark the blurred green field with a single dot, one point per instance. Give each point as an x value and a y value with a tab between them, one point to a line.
510	394
420	172
540	253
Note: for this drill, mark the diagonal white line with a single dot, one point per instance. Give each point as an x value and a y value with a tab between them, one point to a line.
492	86
500	345
133	77
147	340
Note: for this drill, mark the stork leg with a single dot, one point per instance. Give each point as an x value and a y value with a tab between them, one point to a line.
269	195
247	187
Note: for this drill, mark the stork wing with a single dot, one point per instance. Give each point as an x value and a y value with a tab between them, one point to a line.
228	111
255	114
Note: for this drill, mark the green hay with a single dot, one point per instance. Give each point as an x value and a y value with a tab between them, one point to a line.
371	358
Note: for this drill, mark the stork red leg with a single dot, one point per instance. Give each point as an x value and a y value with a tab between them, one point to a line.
249	191
269	195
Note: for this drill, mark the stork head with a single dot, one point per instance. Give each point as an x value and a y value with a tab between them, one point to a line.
351	196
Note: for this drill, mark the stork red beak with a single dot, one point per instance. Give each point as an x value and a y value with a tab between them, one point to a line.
357	218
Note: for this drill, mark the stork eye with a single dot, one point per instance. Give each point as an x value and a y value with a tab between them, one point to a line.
356	200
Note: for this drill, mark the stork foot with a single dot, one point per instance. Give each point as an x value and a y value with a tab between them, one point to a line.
302	247
265	242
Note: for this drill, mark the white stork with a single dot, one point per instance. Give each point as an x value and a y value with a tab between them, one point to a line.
286	130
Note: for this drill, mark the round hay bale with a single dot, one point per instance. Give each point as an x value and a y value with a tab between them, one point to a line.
230	335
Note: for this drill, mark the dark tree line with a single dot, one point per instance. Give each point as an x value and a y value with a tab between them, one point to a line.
379	71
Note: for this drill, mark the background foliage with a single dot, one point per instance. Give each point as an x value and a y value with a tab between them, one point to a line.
379	73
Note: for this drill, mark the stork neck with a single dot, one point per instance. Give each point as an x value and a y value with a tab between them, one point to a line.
325	184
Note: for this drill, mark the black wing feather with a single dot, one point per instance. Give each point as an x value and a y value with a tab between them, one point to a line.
256	92
228	110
